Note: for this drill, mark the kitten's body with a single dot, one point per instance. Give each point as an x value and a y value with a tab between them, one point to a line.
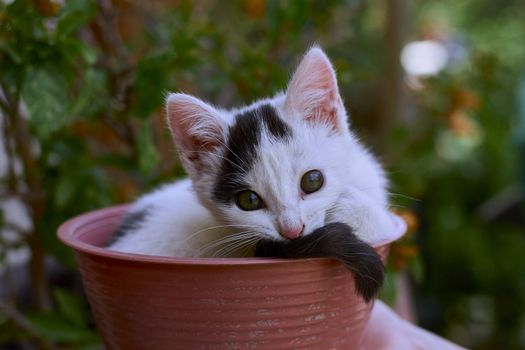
267	147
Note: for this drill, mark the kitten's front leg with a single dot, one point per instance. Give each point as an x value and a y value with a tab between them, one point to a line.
370	221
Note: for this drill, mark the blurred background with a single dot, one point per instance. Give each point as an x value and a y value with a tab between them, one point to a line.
436	88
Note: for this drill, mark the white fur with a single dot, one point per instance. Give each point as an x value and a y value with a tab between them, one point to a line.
184	220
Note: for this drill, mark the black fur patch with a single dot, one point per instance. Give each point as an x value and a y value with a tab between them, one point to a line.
335	240
273	123
243	139
131	221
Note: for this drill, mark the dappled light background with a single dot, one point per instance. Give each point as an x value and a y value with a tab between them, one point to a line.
436	88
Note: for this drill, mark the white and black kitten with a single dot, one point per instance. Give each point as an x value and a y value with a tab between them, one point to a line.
278	170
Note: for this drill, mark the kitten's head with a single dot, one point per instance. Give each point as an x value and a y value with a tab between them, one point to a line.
278	166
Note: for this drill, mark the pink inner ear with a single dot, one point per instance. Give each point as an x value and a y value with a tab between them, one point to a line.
328	116
196	127
313	91
199	146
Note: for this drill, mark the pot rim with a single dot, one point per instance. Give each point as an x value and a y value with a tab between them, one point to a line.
66	234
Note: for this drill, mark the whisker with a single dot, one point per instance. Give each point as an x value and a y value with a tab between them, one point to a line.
217	155
241	244
232	238
242	161
404	196
234	245
216	227
397	206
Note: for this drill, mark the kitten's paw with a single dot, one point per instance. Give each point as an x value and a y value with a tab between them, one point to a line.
335	240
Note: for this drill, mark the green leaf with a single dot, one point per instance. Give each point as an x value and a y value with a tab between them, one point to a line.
77	52
70	306
148	154
45	94
150	83
91	97
417	268
57	328
75	13
64	192
388	292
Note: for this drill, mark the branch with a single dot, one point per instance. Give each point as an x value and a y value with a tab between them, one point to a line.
120	68
21	136
12	179
24	324
394	98
16	228
3	106
108	23
107	35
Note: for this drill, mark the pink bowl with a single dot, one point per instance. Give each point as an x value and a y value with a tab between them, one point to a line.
149	302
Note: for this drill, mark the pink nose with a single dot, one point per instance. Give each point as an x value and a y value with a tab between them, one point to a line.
292	233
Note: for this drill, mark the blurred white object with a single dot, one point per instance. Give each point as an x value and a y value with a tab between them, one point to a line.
387	331
424	58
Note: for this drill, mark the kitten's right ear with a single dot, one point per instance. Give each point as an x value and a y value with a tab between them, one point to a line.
313	94
197	128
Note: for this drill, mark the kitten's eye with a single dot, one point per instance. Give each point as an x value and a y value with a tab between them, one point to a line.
248	200
312	181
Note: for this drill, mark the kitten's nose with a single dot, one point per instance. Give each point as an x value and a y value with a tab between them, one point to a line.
291	232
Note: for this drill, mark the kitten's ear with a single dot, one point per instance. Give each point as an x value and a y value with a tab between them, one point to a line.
197	128
313	94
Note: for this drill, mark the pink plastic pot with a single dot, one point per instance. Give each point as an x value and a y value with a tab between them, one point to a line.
148	302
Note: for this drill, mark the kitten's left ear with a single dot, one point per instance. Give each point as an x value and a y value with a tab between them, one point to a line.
313	94
197	129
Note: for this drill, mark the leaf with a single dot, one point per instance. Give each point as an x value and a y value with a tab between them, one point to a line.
77	52
75	14
70	306
57	328
151	83
64	192
417	268
45	94
388	292
90	98
148	154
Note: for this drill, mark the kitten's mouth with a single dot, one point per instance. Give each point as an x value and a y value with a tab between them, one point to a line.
335	240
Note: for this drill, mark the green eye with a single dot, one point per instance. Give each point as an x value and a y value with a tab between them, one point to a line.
312	181
248	200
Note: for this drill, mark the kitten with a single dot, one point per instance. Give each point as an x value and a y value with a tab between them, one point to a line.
277	170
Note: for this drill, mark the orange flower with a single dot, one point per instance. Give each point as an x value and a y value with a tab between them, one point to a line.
255	8
48	8
410	218
401	253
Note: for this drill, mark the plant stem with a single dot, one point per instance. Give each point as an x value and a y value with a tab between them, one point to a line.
394	94
21	136
23	323
3	106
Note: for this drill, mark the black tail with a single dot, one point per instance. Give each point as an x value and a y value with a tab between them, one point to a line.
337	241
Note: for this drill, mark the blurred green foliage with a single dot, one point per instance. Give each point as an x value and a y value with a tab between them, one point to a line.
83	85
